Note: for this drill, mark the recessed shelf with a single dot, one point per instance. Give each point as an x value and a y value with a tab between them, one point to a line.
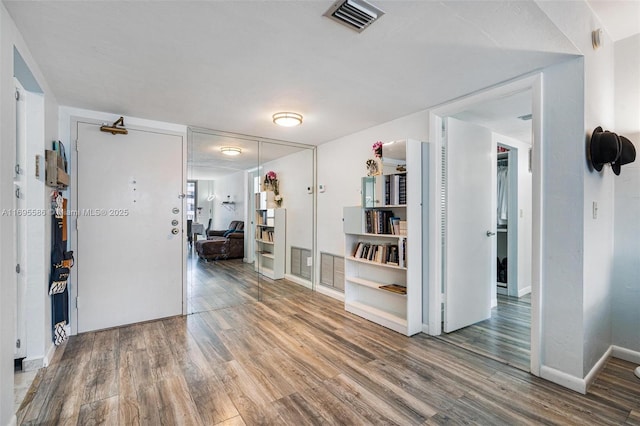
265	242
372	284
370	262
396	236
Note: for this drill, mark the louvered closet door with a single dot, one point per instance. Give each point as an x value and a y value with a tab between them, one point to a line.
129	262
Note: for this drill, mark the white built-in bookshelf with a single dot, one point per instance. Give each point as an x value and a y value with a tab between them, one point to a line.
384	241
270	226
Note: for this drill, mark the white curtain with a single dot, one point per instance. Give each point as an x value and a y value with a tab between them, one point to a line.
503	194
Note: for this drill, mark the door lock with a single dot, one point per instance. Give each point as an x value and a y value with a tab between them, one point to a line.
175	231
489	233
174	222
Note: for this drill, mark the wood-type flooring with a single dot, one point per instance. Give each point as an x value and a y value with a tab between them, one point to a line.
298	358
505	337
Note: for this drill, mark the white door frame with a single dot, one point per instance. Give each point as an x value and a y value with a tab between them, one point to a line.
73	200
534	83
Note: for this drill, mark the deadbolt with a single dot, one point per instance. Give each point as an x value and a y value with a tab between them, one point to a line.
174	222
175	231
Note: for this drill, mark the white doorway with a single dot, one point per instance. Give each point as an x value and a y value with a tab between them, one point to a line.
462	292
130	241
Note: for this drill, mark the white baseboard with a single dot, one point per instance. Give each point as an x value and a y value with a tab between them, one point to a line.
425	328
329	292
524	291
625	354
298	280
35	363
591	376
13	421
581	385
49	356
563	379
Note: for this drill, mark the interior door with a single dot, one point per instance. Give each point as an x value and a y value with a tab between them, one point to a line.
20	224
469	227
130	222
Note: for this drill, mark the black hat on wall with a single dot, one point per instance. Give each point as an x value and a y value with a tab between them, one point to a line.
604	148
627	155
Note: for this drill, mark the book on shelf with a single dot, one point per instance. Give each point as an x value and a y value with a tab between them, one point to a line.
402	227
377	221
393	189
377	253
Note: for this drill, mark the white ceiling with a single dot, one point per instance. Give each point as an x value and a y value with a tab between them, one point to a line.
206	161
502	115
621	18
229	65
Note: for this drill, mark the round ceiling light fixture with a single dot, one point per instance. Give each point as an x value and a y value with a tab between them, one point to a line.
231	150
287	119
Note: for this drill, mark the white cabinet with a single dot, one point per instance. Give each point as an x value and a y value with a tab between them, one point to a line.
385	265
270	240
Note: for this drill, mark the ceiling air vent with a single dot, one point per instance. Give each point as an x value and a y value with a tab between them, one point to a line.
355	14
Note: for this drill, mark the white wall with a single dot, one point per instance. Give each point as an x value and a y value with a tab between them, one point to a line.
625	303
205	187
233	186
10	37
295	174
593	95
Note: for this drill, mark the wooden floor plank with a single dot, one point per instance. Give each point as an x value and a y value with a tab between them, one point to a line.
273	352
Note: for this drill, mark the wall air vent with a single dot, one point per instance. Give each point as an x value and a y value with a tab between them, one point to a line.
355	14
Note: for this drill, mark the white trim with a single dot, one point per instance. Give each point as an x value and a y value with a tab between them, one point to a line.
425	328
534	82
299	281
524	291
329	292
35	363
625	354
13	421
581	385
597	368
563	379
49	356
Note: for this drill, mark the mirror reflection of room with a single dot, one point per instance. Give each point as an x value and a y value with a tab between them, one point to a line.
250	236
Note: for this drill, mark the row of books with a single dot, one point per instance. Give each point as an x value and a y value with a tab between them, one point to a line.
395	192
398	227
378	221
388	254
265	235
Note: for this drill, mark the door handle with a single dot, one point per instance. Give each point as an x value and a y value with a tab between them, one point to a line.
489	233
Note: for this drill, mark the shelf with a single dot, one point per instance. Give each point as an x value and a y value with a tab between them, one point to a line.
266	226
267	255
388	319
502	229
372	284
369	262
389	206
264	242
400	237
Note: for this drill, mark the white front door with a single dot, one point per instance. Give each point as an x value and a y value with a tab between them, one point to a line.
130	223
469	228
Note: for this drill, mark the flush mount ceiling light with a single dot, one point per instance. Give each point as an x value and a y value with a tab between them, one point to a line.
287	119
231	150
